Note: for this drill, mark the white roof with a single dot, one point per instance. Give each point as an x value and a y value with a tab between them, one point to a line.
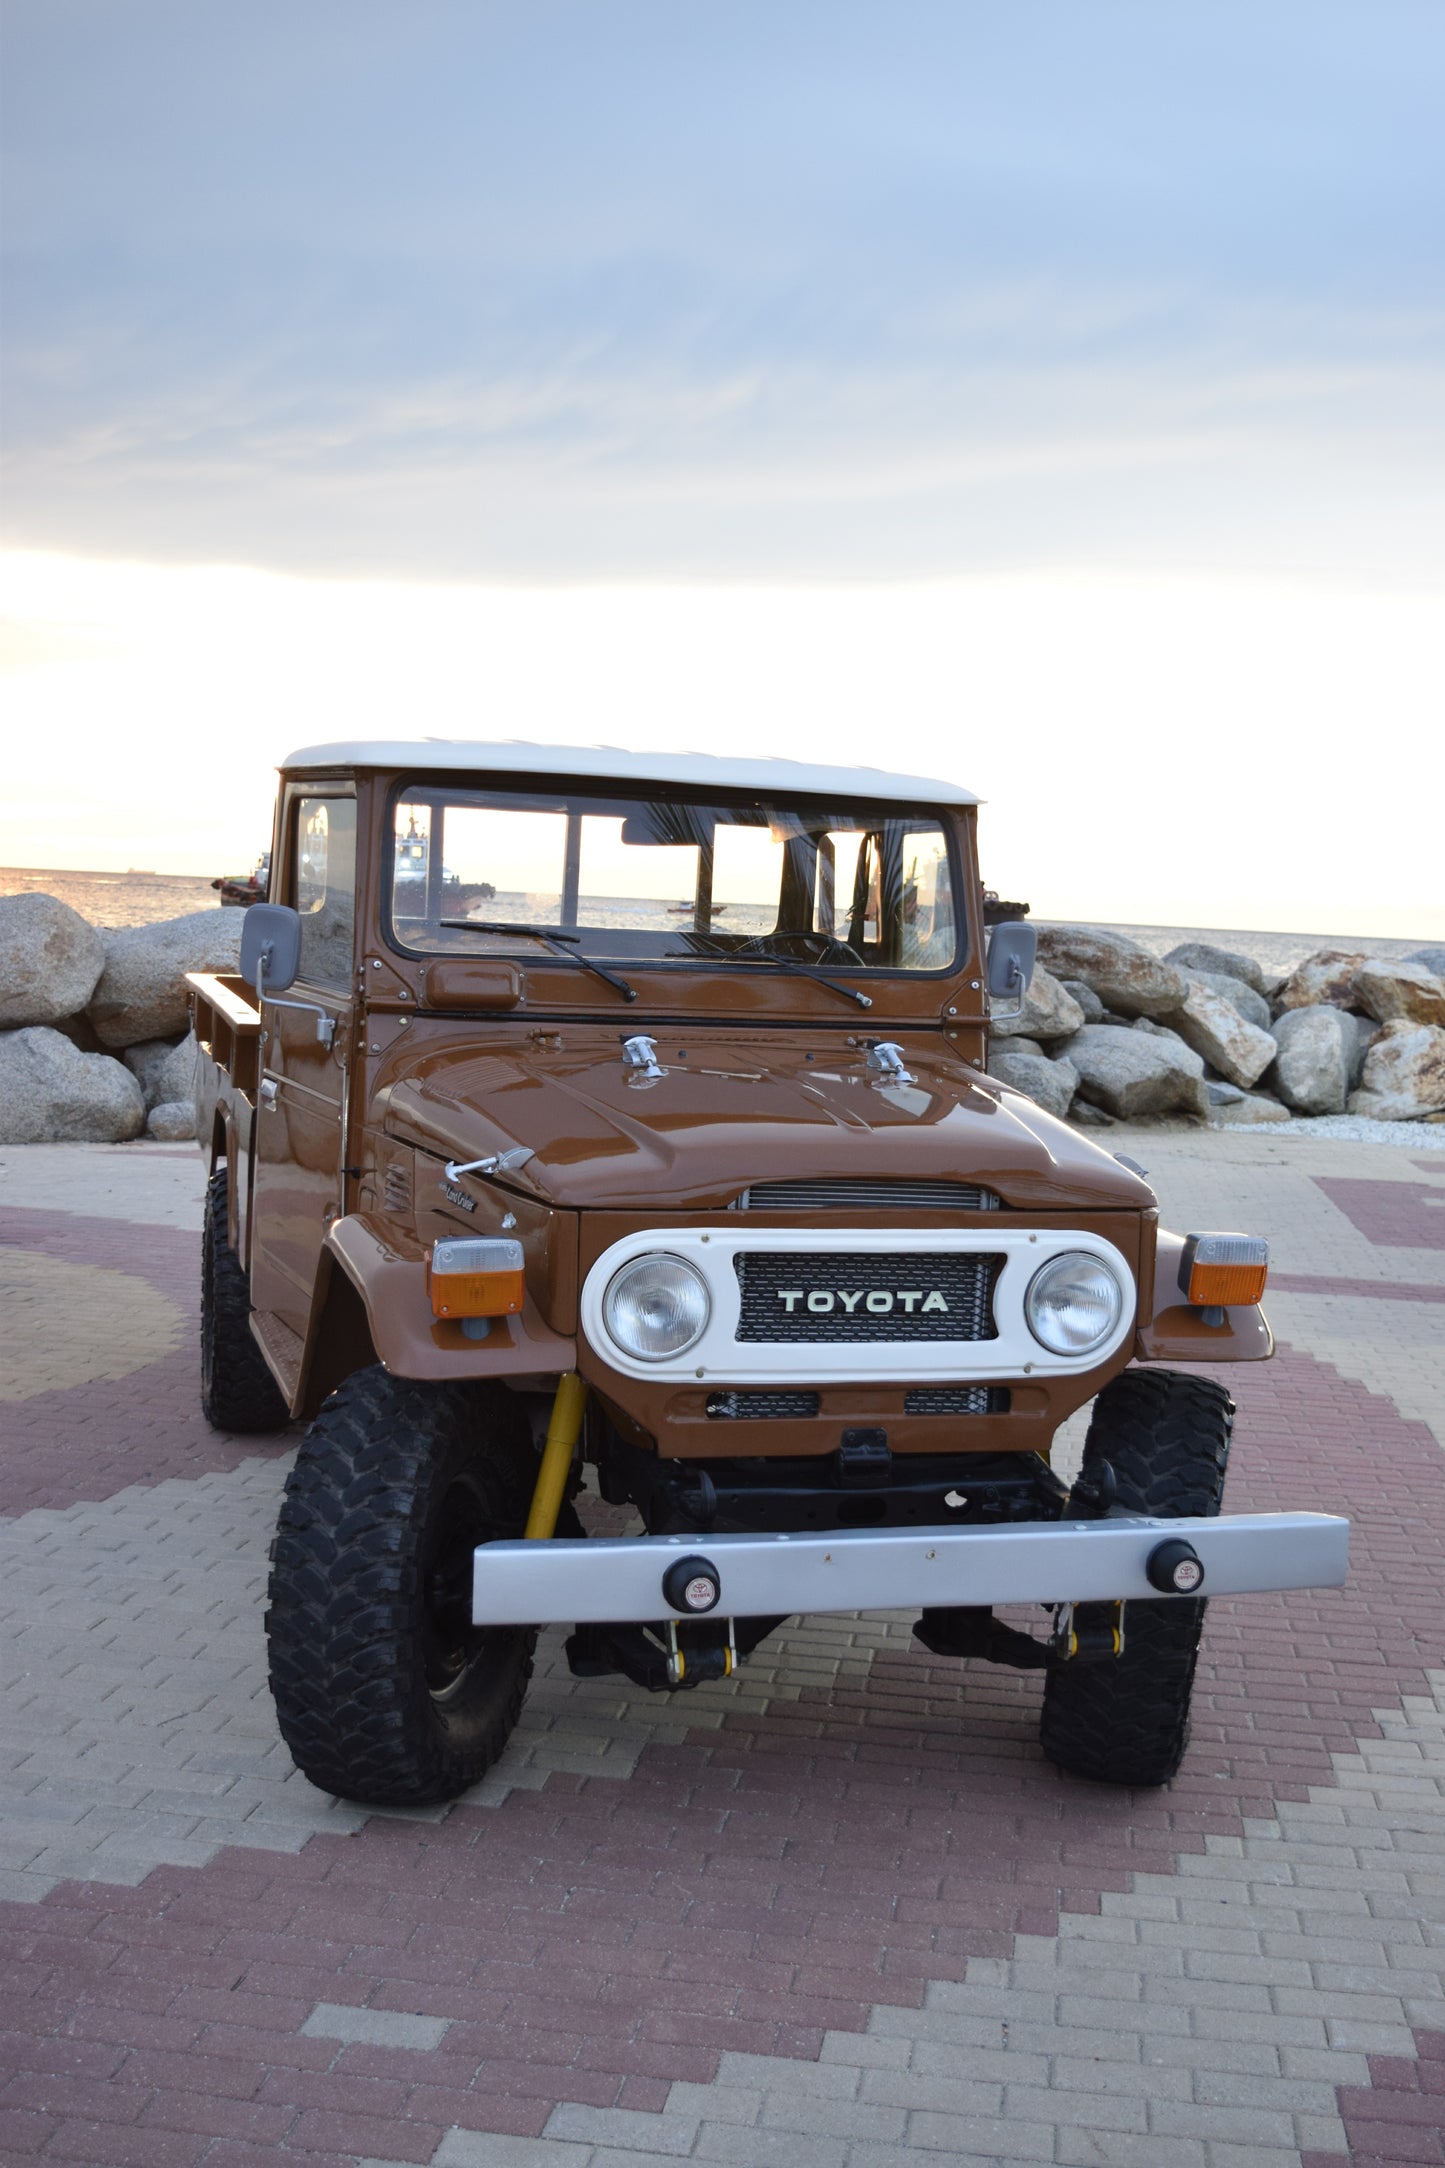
696	771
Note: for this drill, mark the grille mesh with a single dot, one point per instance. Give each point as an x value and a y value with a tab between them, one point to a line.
859	1196
956	1400
775	1288
746	1407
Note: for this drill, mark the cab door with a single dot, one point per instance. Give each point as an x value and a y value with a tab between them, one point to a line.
301	1103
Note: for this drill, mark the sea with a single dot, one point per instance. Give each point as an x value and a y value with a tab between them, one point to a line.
139	898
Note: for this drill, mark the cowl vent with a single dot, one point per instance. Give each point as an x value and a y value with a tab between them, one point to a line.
851	1195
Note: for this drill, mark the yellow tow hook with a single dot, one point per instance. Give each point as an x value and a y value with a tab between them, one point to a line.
563	1431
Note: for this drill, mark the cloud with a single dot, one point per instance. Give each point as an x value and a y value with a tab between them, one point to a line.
565	292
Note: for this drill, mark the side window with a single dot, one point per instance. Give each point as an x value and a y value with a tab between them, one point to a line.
929	940
325	888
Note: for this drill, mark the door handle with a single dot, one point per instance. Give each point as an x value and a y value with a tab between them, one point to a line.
267	1093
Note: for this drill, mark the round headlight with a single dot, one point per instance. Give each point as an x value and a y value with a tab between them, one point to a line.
1074	1303
656	1306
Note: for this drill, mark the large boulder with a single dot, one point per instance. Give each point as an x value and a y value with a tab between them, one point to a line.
1239	1050
1252	1006
1051	1084
1312	1071
164	1070
1183	1053
1404	1074
1367	1031
1251	1110
173	1122
1088	1000
50	960
1126	977
1133	1072
1386	991
1328	975
1208	961
1432	958
1048	1012
52	1093
142	990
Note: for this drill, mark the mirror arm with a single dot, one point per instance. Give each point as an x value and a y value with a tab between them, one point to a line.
1018	982
325	1023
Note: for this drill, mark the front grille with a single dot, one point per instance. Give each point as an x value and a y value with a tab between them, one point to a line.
818	1296
859	1196
754	1407
956	1400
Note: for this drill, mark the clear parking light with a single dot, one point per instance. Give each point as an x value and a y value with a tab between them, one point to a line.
656	1306
1074	1303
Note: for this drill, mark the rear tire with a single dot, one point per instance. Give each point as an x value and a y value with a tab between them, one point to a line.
238	1392
385	1691
1125	1719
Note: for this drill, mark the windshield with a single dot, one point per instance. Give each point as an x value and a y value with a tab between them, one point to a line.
852	887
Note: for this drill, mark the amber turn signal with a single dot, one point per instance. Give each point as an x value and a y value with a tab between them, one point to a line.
475	1276
1223	1271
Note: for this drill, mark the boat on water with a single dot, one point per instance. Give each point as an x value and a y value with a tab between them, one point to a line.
410	879
246	888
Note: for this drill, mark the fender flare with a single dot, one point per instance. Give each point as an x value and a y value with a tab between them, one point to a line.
1177	1333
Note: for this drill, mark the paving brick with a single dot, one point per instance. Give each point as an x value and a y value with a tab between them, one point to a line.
380	2028
481	2149
485	2149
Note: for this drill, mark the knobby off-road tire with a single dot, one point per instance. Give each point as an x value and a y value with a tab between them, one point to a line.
385	1691
1125	1719
238	1392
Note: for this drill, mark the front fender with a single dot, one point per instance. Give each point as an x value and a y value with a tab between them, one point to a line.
410	1341
1176	1333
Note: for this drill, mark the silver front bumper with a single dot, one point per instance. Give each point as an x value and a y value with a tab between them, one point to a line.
619	1578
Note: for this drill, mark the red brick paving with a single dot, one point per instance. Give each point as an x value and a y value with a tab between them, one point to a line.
1308	1283
1399	2117
86	1442
1394	1215
600	1938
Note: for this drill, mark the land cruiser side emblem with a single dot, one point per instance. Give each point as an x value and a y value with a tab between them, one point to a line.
457	1196
880	1300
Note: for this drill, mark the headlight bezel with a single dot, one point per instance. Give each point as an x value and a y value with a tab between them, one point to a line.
1057	1267
636	1267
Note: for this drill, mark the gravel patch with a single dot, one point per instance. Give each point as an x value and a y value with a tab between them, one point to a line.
1351	1128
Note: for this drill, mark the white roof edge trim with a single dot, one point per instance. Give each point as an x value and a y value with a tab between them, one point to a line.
697	771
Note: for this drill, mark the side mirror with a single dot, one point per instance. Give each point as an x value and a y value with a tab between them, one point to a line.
1012	949
270	947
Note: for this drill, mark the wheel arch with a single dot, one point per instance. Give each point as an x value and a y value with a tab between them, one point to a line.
340	1338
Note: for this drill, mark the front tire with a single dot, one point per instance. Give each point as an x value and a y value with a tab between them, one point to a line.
1125	1719
385	1691
238	1392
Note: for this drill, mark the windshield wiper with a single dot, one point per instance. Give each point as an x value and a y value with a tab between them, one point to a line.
782	963
565	944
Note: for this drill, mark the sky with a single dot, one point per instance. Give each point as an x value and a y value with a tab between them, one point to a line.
1048	398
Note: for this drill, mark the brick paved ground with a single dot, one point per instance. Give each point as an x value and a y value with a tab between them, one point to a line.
837	1911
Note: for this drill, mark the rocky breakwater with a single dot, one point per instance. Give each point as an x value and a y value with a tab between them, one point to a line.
93	1042
1110	1032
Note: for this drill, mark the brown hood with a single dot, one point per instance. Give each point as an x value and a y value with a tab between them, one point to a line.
743	1108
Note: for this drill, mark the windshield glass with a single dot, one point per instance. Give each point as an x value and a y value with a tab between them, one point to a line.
850	887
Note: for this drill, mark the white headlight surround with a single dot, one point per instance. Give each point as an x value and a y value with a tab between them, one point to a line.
1074	1303
656	1307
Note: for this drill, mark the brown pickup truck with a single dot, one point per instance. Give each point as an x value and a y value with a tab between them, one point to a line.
583	1118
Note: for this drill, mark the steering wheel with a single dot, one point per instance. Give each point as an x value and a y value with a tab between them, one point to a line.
809	947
